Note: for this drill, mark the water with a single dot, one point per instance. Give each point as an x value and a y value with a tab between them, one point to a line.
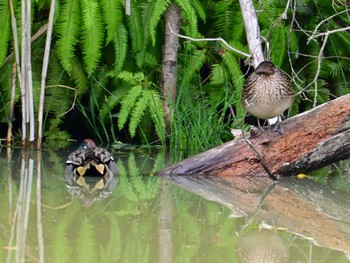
145	218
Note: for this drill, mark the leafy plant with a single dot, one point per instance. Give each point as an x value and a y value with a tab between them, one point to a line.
141	98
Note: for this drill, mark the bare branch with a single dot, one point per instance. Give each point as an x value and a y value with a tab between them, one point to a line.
211	39
329	32
323	21
75	97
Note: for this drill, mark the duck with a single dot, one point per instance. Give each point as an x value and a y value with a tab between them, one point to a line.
91	160
267	93
91	172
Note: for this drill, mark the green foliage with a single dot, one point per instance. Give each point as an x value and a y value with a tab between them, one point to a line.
5	31
112	18
159	8
68	28
141	98
120	41
92	33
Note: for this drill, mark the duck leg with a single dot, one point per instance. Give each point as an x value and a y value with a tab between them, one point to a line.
276	127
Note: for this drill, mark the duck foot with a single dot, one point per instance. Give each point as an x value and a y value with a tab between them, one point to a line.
277	128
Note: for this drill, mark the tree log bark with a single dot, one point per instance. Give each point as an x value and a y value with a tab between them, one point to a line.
311	140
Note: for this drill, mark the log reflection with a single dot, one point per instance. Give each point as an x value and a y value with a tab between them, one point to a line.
301	207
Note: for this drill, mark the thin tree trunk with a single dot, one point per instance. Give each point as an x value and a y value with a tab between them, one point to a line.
44	73
12	105
169	72
29	81
24	95
252	30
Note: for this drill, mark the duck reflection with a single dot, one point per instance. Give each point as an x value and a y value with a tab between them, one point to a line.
262	246
91	173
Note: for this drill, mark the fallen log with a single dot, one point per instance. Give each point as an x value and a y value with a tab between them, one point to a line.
311	140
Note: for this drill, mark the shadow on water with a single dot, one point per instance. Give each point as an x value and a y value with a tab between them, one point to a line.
140	217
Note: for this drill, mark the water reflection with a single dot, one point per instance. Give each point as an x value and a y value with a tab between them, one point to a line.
147	218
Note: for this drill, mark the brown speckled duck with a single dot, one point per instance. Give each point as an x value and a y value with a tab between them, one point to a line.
267	93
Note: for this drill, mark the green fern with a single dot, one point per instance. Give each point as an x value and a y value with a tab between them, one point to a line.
278	45
159	10
194	64
188	13
157	113
68	28
135	27
219	75
92	34
147	10
5	29
138	112
121	48
128	103
237	77
112	100
132	78
198	6
79	77
234	69
141	98
112	17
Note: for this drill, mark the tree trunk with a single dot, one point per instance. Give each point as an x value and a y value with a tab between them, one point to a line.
169	73
311	140
252	31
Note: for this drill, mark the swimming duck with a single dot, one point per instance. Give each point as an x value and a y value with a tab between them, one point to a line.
267	93
91	161
91	172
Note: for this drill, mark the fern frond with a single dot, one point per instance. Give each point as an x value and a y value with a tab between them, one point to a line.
188	13
223	24
160	8
194	64
147	10
237	78
157	113
68	28
112	100
135	26
92	34
127	104
138	112
5	26
112	17
235	71
132	78
198	6
278	45
79	77
121	47
219	76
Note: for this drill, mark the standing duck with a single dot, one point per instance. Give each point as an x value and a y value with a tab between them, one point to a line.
267	93
91	172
